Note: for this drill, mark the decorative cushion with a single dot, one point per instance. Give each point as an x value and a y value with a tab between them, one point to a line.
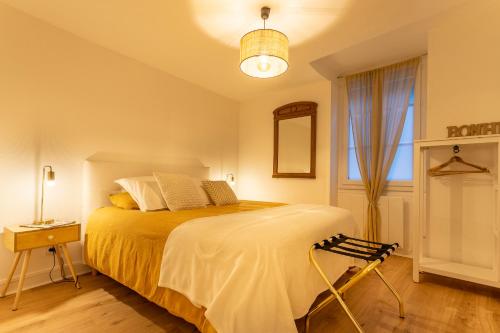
180	192
220	192
145	191
123	200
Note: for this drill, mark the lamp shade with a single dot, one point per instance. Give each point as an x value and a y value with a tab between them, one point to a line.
264	53
51	178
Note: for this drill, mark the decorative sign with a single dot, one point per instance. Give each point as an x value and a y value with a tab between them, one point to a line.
473	129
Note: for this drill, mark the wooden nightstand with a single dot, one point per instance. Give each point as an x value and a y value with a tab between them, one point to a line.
22	240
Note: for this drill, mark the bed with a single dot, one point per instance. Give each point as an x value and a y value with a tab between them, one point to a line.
129	245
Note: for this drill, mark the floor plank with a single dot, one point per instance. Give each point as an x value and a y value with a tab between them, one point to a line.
437	304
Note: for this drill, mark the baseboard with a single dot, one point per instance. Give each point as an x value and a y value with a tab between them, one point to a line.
40	278
402	254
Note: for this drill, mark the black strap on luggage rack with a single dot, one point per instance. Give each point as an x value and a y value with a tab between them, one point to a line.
374	253
357	248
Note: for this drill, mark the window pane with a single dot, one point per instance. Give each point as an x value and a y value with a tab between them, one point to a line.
353	165
411	101
407	135
402	167
351	137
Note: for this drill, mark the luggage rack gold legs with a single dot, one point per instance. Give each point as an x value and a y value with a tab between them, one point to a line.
394	292
337	294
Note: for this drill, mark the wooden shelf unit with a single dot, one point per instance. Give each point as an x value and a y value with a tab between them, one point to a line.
426	263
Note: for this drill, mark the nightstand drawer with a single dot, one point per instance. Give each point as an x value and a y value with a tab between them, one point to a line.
39	238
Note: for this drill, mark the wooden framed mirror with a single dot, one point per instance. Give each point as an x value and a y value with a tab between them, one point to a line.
295	140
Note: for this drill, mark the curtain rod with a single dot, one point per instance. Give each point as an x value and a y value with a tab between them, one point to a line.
341	76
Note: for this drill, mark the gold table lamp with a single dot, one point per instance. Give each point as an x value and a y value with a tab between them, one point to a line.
49	177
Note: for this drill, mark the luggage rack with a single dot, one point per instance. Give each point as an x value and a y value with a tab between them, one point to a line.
374	253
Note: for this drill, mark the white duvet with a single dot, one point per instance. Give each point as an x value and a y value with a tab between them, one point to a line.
251	270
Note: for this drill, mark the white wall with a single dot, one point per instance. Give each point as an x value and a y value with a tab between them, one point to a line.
463	88
464	68
62	99
256	148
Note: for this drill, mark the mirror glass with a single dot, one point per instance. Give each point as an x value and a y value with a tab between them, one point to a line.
294	145
294	153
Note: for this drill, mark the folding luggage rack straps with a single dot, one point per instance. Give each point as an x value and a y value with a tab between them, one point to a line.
347	246
374	253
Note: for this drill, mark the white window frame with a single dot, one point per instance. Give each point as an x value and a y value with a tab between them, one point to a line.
418	132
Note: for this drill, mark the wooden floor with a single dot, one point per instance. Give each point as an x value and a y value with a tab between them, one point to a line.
436	304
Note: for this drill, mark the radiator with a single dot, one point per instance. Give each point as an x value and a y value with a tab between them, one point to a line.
391	213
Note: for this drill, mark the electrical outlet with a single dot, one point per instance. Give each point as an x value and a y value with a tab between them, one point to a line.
50	251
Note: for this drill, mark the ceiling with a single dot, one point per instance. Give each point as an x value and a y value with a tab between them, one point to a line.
400	44
198	40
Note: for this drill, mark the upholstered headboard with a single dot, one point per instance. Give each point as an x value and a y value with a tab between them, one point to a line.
101	170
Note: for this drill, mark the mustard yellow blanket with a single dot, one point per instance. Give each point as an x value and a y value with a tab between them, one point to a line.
127	245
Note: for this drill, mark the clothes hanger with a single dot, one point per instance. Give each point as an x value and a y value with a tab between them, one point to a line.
438	170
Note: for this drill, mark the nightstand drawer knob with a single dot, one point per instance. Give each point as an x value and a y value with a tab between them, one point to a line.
50	237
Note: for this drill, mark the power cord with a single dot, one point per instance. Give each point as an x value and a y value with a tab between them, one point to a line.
63	278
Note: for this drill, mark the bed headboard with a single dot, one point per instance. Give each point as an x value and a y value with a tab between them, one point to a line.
100	171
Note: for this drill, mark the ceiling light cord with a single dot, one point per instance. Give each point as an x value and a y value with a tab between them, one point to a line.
264	14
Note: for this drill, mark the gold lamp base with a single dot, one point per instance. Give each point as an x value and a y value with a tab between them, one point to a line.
44	222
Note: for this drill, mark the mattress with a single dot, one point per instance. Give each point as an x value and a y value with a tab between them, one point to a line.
127	245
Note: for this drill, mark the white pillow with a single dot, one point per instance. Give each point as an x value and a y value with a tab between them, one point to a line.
145	191
179	191
204	194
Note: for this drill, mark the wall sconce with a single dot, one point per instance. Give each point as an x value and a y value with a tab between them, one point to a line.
230	179
49	177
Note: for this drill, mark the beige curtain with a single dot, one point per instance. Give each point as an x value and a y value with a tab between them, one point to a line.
378	102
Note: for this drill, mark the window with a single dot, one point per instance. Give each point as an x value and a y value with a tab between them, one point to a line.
402	166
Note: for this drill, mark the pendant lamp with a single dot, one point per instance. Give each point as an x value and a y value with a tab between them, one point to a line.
264	52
